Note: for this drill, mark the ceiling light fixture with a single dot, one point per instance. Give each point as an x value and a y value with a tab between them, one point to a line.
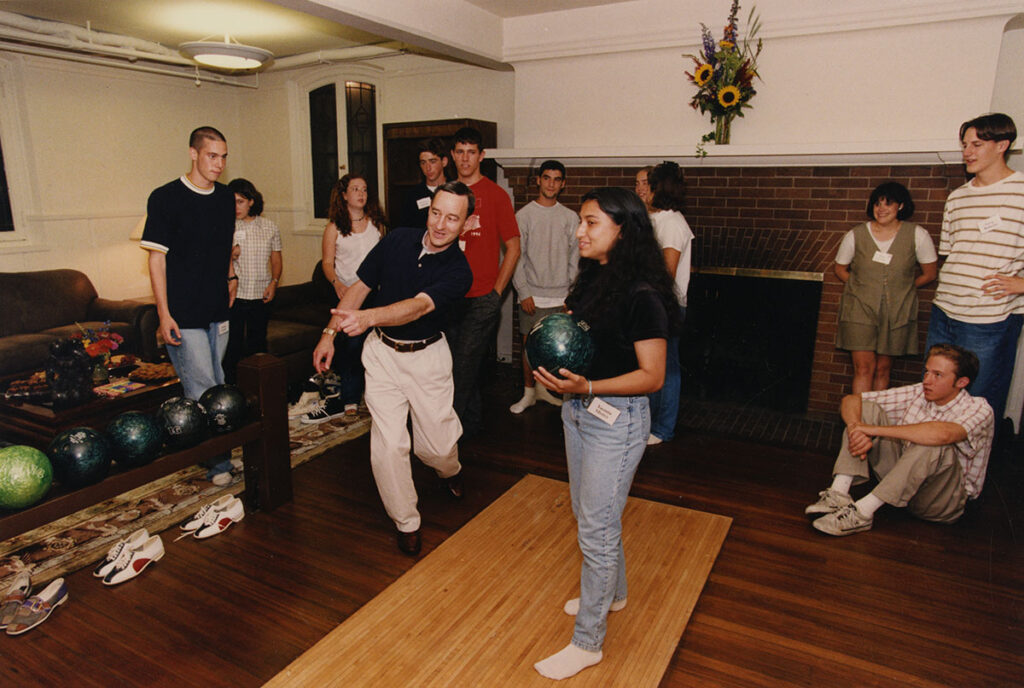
226	54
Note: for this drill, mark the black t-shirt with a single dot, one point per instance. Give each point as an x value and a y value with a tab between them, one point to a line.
194	230
394	270
639	316
414	207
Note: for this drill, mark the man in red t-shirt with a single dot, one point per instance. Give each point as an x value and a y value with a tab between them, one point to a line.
474	322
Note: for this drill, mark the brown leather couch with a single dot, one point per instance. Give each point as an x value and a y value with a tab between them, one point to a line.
37	308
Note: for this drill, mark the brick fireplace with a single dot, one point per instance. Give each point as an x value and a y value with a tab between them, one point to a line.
788	220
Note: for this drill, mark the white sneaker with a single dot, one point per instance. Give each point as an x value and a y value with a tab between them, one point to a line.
195	522
216	522
653	440
306	403
131	542
132	562
222	479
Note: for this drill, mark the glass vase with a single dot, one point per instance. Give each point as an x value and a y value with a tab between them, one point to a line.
723	129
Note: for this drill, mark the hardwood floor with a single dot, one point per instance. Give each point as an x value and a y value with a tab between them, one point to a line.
908	603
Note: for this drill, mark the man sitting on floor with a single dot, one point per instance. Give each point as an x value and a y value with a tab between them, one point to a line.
928	445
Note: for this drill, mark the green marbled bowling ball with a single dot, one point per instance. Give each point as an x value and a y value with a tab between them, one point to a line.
25	476
135	438
80	456
560	341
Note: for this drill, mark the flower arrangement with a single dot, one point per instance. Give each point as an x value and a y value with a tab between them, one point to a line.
724	75
98	344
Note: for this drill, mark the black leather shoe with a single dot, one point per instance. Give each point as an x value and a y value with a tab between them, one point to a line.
454	485
409	543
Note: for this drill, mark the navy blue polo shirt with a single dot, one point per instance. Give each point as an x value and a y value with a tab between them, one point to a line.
394	271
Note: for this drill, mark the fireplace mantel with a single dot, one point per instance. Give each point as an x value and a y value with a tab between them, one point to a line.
927	152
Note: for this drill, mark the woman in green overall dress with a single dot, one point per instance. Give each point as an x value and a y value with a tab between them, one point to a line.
878	262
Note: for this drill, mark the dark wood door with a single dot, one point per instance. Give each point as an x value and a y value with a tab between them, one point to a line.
401	159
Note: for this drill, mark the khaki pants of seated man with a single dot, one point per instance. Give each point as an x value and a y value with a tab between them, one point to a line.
927	480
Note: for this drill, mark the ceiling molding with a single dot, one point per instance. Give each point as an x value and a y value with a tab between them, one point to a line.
549	33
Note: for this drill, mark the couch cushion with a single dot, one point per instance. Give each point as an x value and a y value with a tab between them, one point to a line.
25	353
284	337
36	301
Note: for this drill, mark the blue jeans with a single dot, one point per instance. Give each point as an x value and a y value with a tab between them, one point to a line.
665	402
348	364
197	361
995	345
602	459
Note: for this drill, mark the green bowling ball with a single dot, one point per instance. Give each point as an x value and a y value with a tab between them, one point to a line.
135	438
560	341
80	456
25	476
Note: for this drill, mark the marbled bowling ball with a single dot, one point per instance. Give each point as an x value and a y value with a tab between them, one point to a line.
225	407
183	422
135	438
25	476
560	341
80	456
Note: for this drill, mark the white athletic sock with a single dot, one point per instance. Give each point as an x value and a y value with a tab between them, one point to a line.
528	400
543	394
868	504
841	483
572	607
568	661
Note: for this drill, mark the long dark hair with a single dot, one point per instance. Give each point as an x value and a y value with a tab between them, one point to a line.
338	211
634	260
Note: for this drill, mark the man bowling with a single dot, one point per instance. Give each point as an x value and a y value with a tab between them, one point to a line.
415	277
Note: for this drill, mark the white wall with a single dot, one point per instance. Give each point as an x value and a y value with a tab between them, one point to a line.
86	146
912	82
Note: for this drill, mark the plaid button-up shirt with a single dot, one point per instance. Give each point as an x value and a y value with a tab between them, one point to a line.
907	406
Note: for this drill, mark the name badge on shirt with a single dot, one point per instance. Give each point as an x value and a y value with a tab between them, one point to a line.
422	203
223	327
239	236
990	223
603	410
883	258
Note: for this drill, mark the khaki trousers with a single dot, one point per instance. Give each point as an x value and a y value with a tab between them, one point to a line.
929	481
399	384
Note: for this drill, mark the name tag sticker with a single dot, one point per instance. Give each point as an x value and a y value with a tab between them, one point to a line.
239	236
422	203
990	223
883	258
222	327
603	410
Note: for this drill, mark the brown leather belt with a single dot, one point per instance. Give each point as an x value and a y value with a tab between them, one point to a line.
407	347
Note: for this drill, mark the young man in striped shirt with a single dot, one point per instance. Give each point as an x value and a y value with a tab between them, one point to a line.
928	444
983	241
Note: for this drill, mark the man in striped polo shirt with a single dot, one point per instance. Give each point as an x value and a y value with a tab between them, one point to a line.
983	241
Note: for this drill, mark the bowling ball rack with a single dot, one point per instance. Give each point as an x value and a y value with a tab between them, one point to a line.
265	455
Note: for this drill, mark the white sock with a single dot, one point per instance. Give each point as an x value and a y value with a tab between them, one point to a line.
868	504
528	400
544	394
572	607
568	661
841	483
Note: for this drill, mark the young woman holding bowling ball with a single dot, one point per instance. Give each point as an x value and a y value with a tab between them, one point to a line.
624	292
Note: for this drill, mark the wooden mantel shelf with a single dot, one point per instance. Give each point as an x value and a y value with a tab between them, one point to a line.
926	152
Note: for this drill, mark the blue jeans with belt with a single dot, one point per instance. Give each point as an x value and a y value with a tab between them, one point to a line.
602	460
